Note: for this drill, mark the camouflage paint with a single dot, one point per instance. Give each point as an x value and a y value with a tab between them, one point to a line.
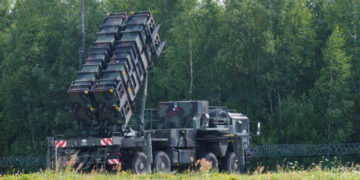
182	114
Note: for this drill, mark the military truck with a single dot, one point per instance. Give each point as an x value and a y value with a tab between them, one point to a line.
185	131
174	135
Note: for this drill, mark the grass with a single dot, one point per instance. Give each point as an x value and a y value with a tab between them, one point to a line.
312	174
291	171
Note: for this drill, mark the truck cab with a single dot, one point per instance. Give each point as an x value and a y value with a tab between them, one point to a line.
186	131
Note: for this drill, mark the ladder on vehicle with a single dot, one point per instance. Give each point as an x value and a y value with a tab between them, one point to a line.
101	158
86	161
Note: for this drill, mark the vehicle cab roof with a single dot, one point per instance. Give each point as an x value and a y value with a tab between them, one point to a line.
238	116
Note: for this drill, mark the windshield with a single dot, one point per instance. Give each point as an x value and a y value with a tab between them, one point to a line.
241	126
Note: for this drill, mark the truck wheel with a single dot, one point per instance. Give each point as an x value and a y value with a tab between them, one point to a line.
212	158
140	164
162	162
231	163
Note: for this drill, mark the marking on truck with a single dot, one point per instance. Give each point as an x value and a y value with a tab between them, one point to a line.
106	141
60	144
113	161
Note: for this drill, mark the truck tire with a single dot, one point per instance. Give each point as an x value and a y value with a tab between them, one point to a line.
162	163
231	163
214	161
140	164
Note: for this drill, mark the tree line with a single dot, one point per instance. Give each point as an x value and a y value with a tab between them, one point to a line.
292	65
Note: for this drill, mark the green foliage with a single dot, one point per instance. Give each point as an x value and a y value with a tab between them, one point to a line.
298	122
293	65
5	13
331	94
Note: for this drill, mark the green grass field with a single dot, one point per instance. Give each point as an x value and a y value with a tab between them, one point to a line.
290	171
312	174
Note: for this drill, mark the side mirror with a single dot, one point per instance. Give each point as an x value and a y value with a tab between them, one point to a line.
258	129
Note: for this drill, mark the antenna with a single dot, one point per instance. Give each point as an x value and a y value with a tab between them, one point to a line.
82	48
191	64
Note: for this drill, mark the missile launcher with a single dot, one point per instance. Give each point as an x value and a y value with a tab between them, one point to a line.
114	70
174	136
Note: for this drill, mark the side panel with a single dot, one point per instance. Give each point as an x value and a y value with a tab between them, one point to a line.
175	138
187	156
239	150
183	156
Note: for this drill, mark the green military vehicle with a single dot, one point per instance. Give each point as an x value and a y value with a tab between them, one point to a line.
175	135
185	131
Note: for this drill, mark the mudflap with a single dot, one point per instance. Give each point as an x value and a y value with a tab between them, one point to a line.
147	148
239	151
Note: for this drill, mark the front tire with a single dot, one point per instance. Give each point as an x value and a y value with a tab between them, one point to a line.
231	163
214	161
140	164
162	162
